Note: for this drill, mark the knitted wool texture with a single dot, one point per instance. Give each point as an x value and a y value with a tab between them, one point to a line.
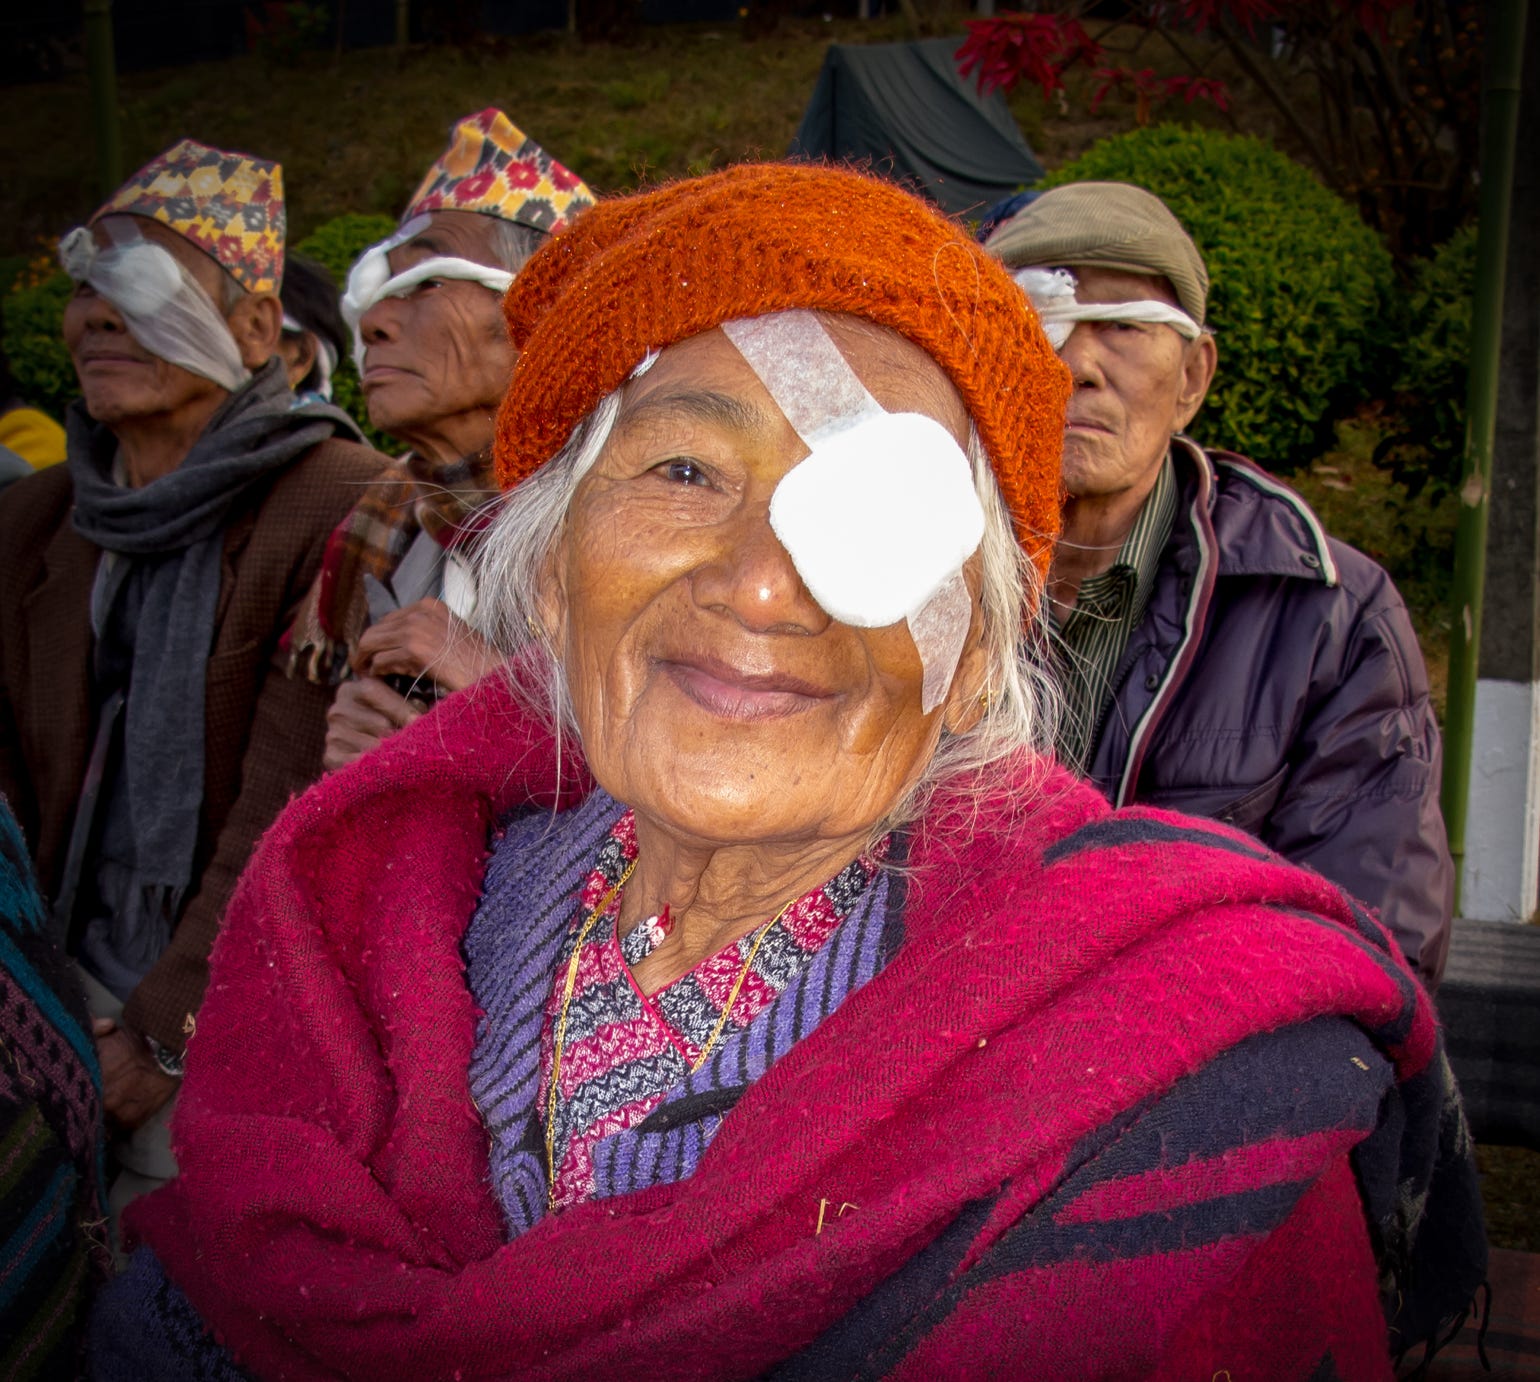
1060	966
641	273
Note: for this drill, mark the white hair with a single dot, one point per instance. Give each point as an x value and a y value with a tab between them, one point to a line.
1021	703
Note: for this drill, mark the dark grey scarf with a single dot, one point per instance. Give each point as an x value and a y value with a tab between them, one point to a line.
157	600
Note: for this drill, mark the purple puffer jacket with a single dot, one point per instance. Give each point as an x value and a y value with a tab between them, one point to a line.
1275	684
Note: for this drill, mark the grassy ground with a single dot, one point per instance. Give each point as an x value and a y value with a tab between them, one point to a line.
355	132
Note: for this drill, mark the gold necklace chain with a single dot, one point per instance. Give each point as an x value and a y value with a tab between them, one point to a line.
566	1002
732	997
561	1029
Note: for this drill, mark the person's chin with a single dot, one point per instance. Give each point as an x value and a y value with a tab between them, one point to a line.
397	405
1087	458
111	405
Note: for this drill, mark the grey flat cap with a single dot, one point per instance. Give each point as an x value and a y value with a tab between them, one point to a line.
1112	224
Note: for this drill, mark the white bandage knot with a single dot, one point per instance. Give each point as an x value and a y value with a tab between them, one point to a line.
370	280
1052	292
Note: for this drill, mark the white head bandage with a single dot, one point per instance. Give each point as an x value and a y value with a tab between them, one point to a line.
164	307
369	280
880	516
1053	296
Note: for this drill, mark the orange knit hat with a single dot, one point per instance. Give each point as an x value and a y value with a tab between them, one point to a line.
641	273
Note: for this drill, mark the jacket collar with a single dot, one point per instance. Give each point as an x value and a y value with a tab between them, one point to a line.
1261	526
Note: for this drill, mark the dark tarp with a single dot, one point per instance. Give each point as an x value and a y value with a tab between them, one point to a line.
903	107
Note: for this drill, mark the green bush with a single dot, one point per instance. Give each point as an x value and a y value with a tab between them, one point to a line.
336	244
1427	418
32	321
1298	292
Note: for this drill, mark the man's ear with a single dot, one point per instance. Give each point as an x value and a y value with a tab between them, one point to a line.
299	356
1199	361
256	322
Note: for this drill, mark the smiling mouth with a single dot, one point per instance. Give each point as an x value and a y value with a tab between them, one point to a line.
737	695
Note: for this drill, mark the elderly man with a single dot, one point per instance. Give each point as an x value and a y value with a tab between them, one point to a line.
387	617
147	732
1221	654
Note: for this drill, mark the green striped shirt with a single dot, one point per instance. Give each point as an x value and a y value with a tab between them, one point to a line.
1089	639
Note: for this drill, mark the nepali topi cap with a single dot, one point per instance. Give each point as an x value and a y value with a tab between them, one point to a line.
228	205
1110	224
493	167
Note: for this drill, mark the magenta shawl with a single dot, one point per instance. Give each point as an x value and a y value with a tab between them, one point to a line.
1062	968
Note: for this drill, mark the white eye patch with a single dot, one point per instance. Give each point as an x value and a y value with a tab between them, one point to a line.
369	280
1052	292
881	515
164	307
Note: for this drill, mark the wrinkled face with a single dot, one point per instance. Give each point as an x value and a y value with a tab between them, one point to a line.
438	359
1136	383
120	380
712	693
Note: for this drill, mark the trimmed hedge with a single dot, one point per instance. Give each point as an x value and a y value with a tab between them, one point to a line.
1427	445
1299	285
32	324
337	243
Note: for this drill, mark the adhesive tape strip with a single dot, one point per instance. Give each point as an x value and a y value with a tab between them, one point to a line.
881	515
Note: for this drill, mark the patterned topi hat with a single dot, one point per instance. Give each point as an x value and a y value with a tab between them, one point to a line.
229	205
493	167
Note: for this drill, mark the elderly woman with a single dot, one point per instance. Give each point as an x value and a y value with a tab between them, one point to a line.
736	987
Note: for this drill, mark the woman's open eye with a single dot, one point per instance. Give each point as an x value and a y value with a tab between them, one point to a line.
682	472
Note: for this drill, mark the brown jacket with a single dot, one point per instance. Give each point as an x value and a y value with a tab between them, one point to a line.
264	733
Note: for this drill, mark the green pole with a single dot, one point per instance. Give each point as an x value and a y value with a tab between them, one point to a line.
403	23
103	70
1500	117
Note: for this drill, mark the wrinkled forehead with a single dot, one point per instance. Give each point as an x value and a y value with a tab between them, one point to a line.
445	235
1097	283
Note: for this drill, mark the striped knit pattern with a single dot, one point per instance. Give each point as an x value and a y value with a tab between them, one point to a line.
631	1114
52	1226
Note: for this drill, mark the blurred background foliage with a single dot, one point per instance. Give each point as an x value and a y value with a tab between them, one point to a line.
1342	342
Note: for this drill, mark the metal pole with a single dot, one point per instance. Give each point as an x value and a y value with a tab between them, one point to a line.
103	71
1500	113
403	23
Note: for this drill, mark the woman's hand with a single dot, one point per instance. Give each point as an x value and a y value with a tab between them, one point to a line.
133	1087
425	639
365	713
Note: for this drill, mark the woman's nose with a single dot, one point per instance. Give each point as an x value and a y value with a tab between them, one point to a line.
752	578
